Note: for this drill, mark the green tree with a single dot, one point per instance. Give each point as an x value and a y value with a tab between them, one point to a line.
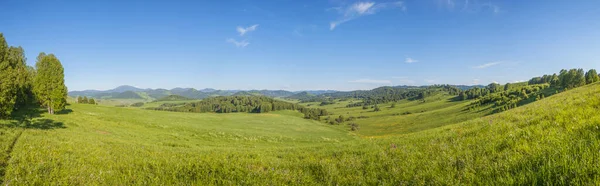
591	76
393	105
376	108
85	100
8	91
79	99
15	79
93	102
49	85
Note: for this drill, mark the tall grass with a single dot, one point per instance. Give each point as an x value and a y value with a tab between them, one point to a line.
552	141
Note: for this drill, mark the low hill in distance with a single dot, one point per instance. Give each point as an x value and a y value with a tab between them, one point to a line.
173	98
186	92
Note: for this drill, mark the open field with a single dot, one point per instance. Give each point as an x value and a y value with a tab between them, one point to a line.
407	116
553	140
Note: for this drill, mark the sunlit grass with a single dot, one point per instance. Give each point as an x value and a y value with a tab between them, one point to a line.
553	141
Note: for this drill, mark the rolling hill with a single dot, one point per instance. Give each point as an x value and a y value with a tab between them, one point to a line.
186	92
553	140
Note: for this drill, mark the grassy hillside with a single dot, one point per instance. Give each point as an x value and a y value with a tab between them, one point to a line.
554	140
405	117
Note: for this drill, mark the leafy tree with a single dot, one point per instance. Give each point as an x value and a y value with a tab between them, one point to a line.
85	100
92	101
15	79
8	79
49	83
591	76
79	99
393	105
376	108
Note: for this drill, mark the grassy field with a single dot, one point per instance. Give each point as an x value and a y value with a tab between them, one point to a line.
552	141
117	102
406	117
158	103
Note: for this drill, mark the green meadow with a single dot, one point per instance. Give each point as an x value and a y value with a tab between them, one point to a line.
554	140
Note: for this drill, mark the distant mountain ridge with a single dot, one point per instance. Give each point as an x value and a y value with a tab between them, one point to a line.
131	92
192	93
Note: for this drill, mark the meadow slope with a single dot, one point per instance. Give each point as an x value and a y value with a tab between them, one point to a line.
554	140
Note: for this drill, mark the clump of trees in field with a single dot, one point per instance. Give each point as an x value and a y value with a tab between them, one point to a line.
511	95
248	104
22	85
85	100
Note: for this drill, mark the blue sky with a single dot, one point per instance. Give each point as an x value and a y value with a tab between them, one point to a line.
296	45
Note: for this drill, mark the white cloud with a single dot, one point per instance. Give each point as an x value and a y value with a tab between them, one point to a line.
475	81
487	65
403	80
518	81
243	30
240	44
430	81
472	6
360	9
371	81
410	60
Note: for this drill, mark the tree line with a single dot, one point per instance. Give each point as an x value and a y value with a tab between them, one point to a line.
22	85
248	104
511	95
85	100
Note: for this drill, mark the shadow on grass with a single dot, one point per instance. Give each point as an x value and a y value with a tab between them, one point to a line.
30	118
64	111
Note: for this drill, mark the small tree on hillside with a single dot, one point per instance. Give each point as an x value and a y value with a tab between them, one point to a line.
376	109
79	99
92	101
85	100
49	83
354	127
591	76
393	105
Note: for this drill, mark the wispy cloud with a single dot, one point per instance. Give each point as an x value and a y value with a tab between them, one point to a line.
410	60
299	31
240	44
487	65
404	80
359	9
371	81
430	81
472	6
243	30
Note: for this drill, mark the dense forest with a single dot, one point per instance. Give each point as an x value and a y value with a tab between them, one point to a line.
22	85
248	104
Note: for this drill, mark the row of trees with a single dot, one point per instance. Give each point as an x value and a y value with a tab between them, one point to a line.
515	94
567	79
250	104
85	100
228	104
22	85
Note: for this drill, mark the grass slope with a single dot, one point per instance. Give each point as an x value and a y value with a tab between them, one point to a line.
407	116
552	141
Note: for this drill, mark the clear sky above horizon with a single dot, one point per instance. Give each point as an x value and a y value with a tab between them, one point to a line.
304	45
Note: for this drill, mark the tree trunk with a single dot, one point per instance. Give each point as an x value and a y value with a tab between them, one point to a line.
50	109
